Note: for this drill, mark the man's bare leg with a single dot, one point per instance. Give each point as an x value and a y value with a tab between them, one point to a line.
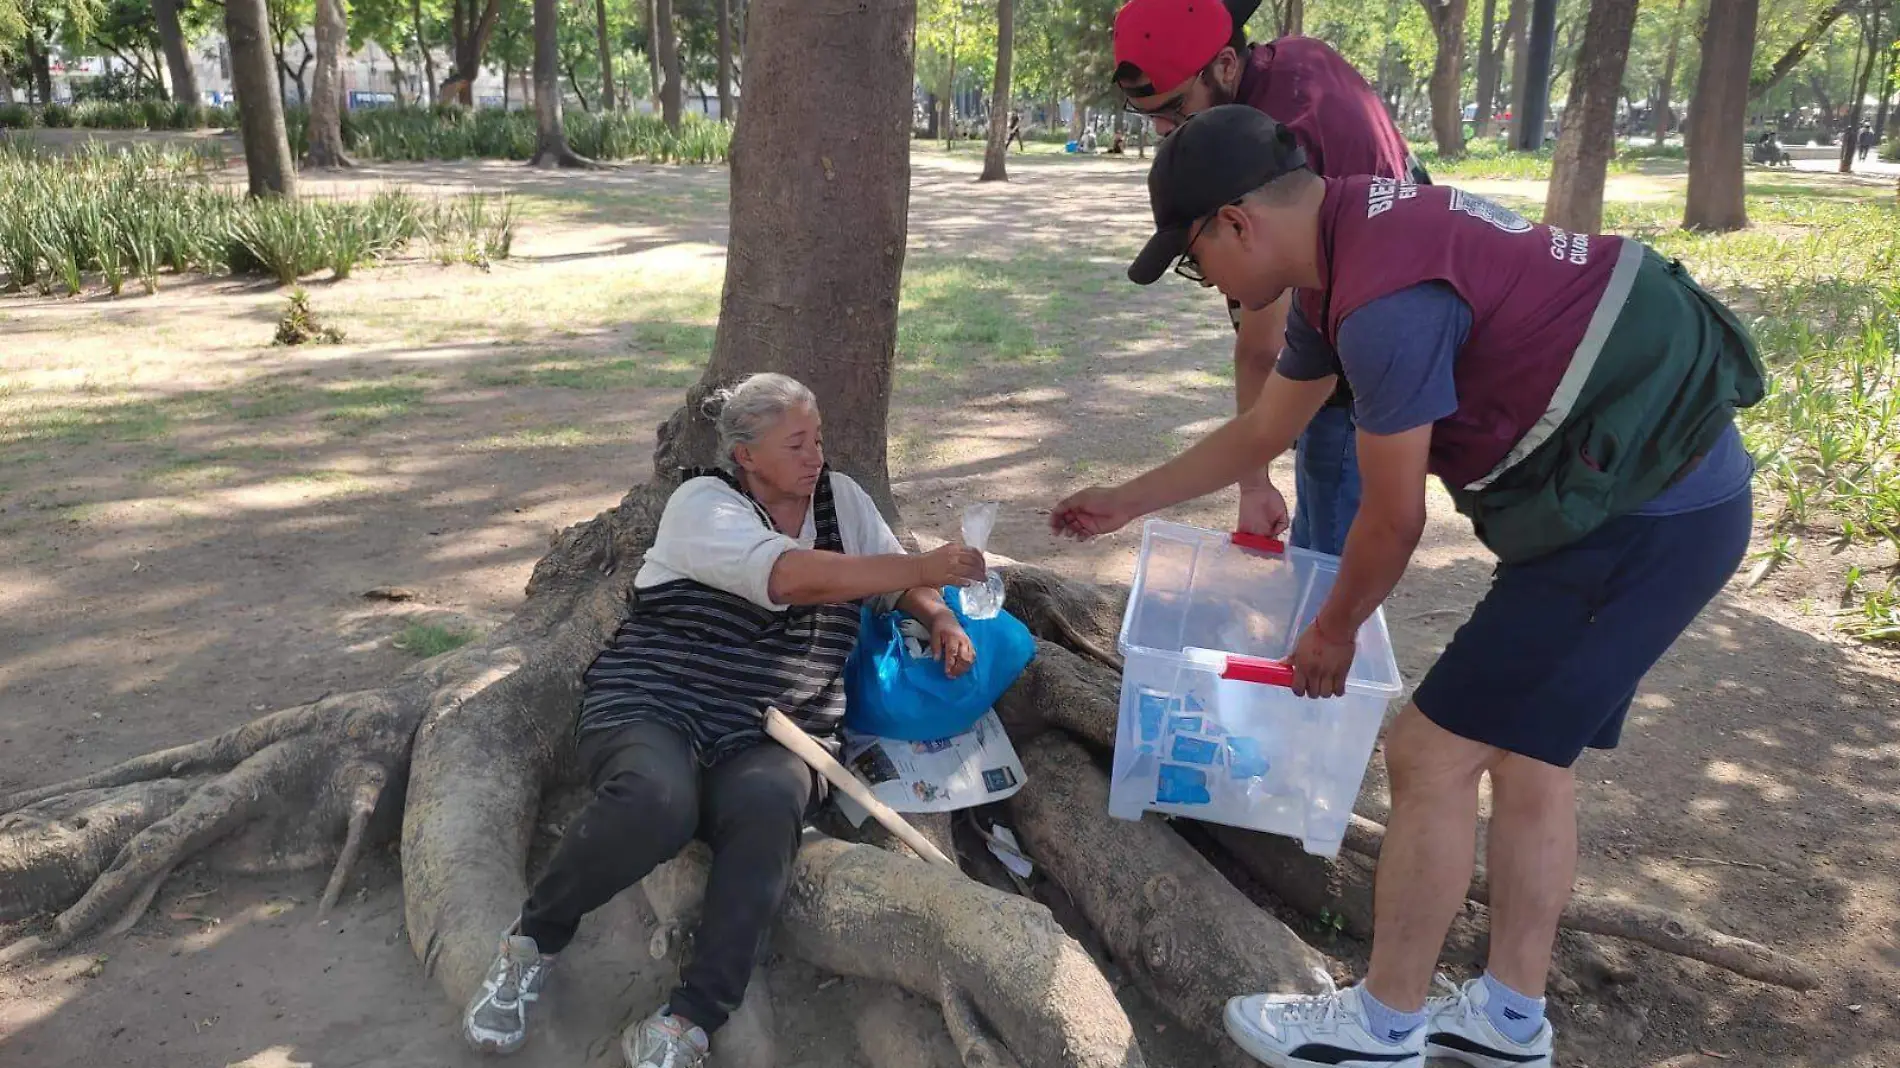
1426	861
1531	858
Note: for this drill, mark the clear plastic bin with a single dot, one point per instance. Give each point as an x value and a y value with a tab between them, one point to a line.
1208	728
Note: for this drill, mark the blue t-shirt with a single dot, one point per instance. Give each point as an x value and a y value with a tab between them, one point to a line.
1400	351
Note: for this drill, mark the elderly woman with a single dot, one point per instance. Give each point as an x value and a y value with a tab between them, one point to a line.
748	600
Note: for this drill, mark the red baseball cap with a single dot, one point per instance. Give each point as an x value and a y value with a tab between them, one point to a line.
1171	40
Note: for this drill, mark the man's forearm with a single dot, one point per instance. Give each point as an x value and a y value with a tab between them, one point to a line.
1379	547
1248	442
1258	338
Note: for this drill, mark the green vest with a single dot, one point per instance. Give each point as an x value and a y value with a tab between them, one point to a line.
1666	382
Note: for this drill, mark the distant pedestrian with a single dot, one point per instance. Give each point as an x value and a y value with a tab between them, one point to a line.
1867	140
1015	132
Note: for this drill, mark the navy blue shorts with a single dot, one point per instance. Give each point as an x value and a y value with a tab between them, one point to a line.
1550	659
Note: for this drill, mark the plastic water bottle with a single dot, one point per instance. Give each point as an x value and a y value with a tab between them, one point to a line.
984	600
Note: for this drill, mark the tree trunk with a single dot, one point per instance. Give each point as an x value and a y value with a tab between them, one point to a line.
950	88
930	116
422	45
40	62
1534	94
724	13
171	38
1886	90
669	62
1850	139
1520	19
653	53
819	194
1575	198
1798	51
550	132
1488	56
1448	30
6	86
1293	19
1667	87
1716	200
997	151
261	118
472	29
397	78
607	97
326	116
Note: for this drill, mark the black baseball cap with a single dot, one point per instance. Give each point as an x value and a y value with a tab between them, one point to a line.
1211	160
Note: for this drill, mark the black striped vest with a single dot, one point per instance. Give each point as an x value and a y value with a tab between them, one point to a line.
709	662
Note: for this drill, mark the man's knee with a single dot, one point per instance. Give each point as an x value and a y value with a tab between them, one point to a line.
1422	756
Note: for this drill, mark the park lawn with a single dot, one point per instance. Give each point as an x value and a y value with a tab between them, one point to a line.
194	392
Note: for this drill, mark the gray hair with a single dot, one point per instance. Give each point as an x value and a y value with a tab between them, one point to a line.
744	410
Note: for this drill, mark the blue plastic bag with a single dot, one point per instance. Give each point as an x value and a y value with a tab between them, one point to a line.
893	694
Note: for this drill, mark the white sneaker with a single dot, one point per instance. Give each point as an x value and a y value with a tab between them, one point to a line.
1460	1031
1320	1030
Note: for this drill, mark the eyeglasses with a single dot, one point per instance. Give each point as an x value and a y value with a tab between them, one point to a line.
1173	109
1187	266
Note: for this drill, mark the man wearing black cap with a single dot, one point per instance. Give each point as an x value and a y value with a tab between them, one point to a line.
1576	395
1175	58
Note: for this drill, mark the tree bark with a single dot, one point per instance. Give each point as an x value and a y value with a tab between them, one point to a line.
996	153
724	12
1886	92
1534	95
950	88
1575	198
1798	51
1293	19
6	86
1716	200
261	118
1448	30
1488	56
1667	87
39	61
171	37
1850	138
819	196
1520	20
422	45
653	53
471	30
607	97
550	132
669	62
326	116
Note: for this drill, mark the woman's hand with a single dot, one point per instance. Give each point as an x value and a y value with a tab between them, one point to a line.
1091	513
951	645
950	564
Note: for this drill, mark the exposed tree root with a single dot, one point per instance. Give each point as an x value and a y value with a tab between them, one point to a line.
1186	935
994	963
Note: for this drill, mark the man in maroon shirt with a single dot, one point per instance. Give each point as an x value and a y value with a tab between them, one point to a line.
1175	58
1576	396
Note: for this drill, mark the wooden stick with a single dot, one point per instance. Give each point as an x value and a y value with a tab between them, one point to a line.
793	737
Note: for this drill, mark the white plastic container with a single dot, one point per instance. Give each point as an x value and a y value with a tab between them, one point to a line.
1208	728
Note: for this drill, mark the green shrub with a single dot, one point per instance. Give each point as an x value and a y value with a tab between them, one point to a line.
56	117
16	117
119	215
1889	151
287	237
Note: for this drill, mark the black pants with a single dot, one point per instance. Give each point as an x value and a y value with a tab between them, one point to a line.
651	798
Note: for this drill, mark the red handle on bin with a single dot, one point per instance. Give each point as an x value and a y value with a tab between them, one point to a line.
1259	543
1258	670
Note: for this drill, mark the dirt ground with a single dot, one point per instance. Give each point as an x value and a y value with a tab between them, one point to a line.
189	519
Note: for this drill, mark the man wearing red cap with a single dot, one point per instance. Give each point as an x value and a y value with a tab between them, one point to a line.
1175	58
